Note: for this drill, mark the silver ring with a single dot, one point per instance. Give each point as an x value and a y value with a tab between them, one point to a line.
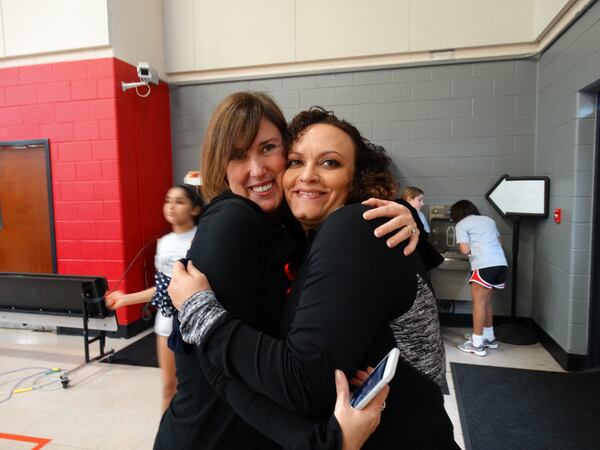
383	405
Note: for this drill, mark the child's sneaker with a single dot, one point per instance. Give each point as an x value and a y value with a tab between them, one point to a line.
490	344
486	344
470	348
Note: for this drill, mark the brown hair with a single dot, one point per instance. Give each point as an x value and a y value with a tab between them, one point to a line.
233	126
462	209
372	176
410	192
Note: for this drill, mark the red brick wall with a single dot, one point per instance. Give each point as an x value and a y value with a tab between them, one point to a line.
110	161
144	137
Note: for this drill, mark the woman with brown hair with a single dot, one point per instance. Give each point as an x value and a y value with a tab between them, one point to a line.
352	301
245	239
415	196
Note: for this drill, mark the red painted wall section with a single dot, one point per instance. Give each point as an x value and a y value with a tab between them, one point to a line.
110	161
144	140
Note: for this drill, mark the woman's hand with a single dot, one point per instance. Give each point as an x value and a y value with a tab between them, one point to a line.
402	220
357	425
360	376
186	283
115	300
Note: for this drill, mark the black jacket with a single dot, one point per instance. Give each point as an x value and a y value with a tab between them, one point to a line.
429	255
349	287
242	252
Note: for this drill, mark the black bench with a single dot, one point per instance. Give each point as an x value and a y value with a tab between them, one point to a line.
58	300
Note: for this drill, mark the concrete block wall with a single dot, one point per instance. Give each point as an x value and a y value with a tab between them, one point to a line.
452	130
569	77
110	159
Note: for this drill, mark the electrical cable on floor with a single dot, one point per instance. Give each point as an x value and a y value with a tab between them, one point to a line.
22	369
35	386
59	380
44	369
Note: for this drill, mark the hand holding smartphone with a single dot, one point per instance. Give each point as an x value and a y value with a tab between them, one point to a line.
382	375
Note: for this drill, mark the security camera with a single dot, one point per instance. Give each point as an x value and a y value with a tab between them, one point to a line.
146	74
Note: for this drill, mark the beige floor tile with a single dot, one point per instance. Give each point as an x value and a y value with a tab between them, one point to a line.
109	406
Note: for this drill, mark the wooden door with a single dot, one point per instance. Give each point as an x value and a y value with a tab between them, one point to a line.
26	222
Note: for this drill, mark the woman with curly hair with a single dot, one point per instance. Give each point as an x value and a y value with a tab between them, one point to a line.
353	300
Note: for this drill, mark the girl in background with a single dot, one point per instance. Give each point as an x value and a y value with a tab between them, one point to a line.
478	237
414	196
181	209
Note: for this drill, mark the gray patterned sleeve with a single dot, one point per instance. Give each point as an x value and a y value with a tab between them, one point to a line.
198	314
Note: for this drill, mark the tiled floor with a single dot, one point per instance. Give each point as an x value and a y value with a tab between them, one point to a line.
110	406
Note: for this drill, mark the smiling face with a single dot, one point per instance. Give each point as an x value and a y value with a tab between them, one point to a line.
321	165
255	173
417	202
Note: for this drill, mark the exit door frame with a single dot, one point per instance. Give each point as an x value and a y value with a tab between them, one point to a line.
593	359
46	145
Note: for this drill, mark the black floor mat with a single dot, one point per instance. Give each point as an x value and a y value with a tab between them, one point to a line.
141	353
503	408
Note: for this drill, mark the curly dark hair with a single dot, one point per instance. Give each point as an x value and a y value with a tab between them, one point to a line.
372	176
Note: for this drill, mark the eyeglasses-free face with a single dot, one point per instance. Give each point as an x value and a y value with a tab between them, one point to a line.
255	173
321	167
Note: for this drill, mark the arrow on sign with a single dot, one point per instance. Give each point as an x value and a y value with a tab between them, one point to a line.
520	196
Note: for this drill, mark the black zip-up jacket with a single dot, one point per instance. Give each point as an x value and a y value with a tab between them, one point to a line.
354	299
242	252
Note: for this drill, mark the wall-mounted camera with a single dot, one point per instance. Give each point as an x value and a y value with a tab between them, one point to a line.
146	75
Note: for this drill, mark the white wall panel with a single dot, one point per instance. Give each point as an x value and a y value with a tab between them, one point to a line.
348	28
39	26
180	53
443	24
237	33
136	32
2	53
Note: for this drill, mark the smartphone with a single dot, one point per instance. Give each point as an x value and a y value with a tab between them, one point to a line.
382	375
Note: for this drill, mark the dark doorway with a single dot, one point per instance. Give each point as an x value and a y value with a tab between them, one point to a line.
26	213
594	319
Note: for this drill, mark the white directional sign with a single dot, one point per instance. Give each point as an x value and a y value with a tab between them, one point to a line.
520	196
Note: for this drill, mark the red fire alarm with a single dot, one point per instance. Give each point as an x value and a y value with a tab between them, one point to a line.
557	214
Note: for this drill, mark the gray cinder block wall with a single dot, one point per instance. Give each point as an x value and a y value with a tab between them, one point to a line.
453	130
568	74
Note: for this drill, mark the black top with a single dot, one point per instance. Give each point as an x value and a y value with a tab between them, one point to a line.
241	251
429	255
350	289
